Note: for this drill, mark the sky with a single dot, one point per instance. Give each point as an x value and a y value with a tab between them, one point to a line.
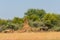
16	8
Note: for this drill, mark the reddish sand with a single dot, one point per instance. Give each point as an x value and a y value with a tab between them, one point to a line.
30	36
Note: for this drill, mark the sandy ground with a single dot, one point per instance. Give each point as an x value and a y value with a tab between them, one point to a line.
30	36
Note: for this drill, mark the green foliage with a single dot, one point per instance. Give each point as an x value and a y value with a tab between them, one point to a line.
35	14
56	28
50	20
17	20
34	24
36	18
3	22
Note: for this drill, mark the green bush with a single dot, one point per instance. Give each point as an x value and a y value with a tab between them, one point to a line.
56	28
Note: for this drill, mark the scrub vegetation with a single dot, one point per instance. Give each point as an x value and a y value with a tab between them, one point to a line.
34	20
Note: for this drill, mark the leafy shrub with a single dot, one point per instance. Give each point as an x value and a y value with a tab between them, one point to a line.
56	28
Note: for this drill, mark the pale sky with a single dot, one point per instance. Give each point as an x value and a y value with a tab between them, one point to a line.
12	8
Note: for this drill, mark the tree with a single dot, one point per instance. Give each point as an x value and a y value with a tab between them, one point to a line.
35	14
17	20
3	22
50	20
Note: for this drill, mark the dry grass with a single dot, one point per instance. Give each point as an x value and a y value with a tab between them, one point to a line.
30	36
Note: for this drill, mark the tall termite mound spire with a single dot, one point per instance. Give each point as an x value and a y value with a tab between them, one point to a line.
26	27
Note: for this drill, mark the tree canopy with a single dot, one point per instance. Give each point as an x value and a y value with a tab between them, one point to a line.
37	18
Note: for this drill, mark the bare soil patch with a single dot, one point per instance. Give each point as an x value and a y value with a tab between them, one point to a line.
30	36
